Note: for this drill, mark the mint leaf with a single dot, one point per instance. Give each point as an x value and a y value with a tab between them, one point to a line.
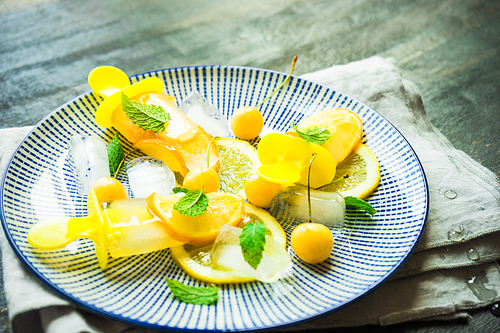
359	204
252	241
193	203
180	190
317	135
193	295
147	117
115	155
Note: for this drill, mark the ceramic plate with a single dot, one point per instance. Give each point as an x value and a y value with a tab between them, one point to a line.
39	183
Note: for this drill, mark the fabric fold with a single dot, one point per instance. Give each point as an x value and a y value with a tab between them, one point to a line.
420	297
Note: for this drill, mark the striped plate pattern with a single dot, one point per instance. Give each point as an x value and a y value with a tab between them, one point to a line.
39	183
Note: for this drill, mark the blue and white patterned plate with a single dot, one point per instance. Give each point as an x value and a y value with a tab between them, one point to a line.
39	183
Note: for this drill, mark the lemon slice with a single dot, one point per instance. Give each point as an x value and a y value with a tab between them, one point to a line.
196	260
363	172
238	162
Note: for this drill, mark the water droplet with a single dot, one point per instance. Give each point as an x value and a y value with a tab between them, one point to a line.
457	235
442	257
440	191
450	194
495	309
473	254
476	285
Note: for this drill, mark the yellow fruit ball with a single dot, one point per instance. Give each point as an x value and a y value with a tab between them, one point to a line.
312	242
260	192
202	178
247	123
109	188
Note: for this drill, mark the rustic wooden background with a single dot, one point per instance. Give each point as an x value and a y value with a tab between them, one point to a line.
449	48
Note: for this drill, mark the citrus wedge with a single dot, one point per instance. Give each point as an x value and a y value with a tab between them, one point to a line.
223	208
363	172
345	127
238	162
196	260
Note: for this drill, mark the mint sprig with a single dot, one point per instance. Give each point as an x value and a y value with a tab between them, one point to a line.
252	241
317	135
359	204
192	204
193	295
115	155
147	117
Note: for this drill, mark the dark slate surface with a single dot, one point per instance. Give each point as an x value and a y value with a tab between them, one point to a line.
449	48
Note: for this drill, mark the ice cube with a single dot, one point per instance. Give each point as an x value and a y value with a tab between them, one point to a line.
226	252
197	108
90	159
147	175
327	208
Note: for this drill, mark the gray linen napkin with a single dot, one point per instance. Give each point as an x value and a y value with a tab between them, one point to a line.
454	267
452	270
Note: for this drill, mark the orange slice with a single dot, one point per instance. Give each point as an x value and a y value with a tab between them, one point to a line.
223	208
345	126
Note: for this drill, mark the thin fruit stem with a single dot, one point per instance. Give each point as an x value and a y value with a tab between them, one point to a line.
309	186
208	150
282	83
333	181
121	162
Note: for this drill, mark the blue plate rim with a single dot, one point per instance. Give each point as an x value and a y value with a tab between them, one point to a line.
101	313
